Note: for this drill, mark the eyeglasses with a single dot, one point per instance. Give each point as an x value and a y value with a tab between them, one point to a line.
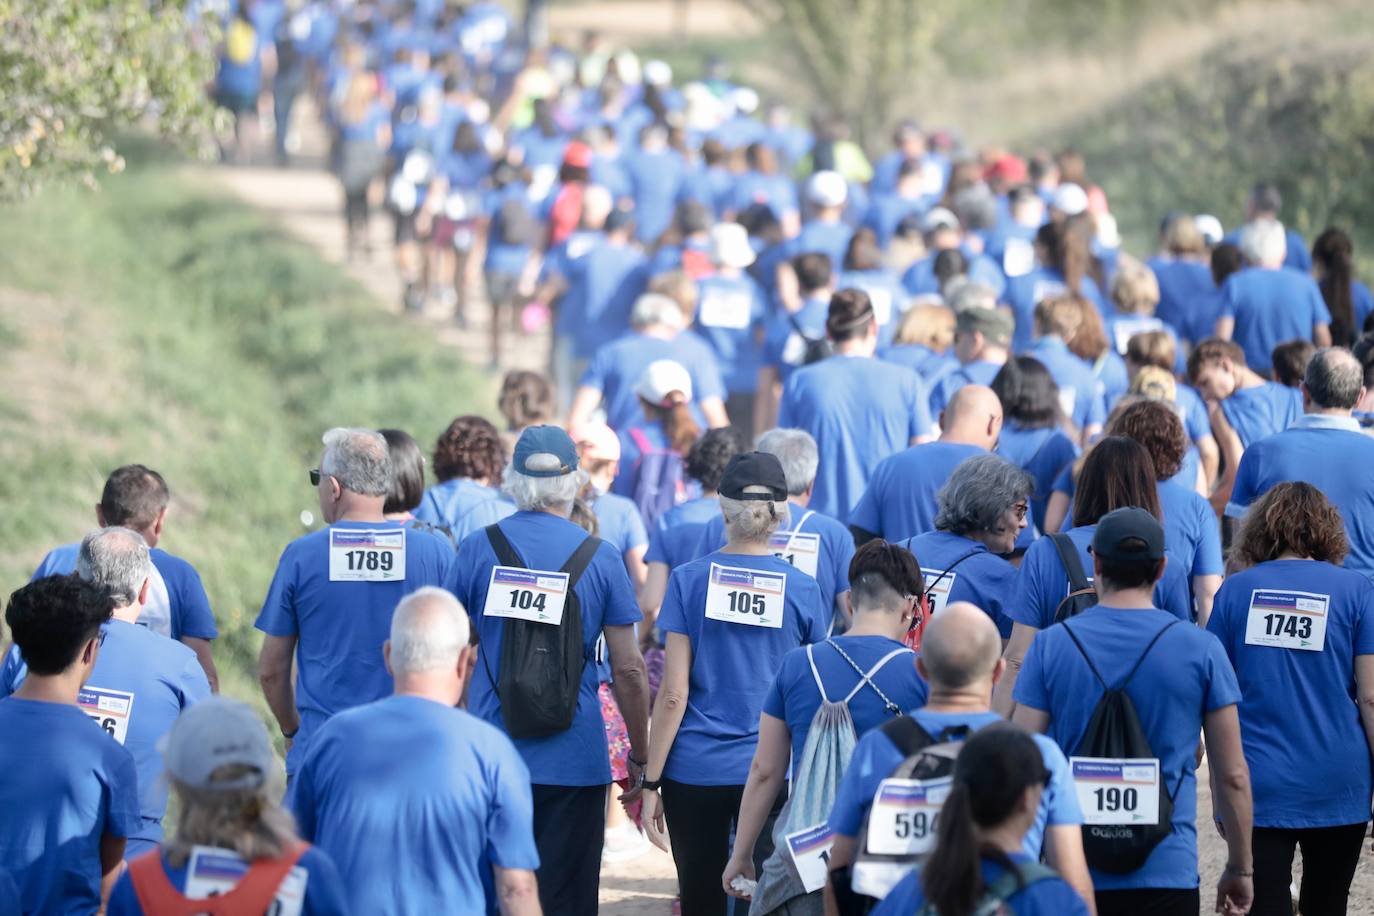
1020	509
315	477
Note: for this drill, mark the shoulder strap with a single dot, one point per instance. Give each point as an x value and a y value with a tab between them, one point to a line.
866	677
506	554
820	685
791	535
1140	661
1134	668
581	558
1068	555
938	579
1020	876
641	441
253	894
907	734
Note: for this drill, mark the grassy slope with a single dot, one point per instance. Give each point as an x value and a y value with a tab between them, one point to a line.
160	323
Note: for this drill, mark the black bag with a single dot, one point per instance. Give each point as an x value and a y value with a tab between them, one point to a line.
541	665
1081	594
814	349
1114	732
516	225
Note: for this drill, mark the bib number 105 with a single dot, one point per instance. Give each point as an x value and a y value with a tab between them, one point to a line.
746	603
369	560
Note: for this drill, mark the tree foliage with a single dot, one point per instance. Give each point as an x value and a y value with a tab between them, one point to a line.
75	72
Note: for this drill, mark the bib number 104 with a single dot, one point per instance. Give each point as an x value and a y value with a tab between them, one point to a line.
1115	799
746	602
369	560
523	599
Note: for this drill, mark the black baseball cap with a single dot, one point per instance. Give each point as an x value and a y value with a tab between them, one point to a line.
754	469
1128	534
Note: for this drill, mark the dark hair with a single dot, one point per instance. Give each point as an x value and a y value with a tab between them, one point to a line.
813	271
1213	350
878	566
51	619
707	459
470	447
1334	254
863	252
1290	361
466	139
1119	575
1154	425
850	315
948	264
1028	393
407	471
713	152
1265	198
1294	517
1066	250
761	158
994	769
679	426
1117	472
133	497
1364	352
526	399
1226	260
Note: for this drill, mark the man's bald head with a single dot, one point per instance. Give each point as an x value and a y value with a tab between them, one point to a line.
973	416
428	632
1334	379
961	646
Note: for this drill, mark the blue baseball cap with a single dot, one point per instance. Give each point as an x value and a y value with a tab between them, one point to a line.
551	448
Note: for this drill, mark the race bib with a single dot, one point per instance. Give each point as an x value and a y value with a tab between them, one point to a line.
1046	289
527	594
1068	399
802	551
882	305
940	584
110	709
1018	257
905	815
367	555
1287	619
810	851
1122	791
1123	329
213	872
745	596
725	309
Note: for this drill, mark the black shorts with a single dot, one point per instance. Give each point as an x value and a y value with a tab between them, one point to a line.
405	227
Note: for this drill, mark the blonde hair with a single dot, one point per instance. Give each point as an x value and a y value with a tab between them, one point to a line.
752	520
682	289
1135	289
929	325
248	821
1156	383
1061	316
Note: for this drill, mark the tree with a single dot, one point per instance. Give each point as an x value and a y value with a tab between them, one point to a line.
76	72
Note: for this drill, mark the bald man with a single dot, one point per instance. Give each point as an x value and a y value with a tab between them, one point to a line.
899	502
961	659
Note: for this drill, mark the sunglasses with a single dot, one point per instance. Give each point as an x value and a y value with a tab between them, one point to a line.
315	477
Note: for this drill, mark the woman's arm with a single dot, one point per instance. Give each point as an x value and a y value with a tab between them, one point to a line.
650	598
1228	440
1205	593
634	565
1364	692
1056	510
669	709
1021	638
766	776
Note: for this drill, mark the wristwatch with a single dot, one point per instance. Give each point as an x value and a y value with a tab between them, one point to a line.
651	784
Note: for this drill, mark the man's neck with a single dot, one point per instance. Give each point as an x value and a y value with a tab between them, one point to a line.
863	347
355	508
1314	411
438	687
128	613
1129	598
990	354
57	688
957	436
1248	378
972	699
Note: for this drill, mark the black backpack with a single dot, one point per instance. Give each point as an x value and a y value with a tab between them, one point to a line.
541	665
1114	732
815	349
1081	594
516	225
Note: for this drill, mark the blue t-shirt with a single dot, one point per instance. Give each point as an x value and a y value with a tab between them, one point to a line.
733	666
1081	395
1047	897
1270	307
1298	256
924	361
1262	410
774	191
1299	718
578	756
441	792
1112	378
617	366
786	336
1185	676
325	893
1023	293
828	238
859	410
876	757
1041	452
943	387
920	280
900	500
1363	302
619	523
1192	536
1331	454
794	697
602	286
887	210
1183	286
164	678
339	662
676	536
177	605
1042	582
982	578
66	785
730	317
462	505
655	179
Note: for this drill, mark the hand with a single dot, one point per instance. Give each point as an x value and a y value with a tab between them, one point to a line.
636	774
1235	894
655	825
737	868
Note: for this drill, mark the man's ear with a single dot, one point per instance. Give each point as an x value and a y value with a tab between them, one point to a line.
999	669
386	657
158	522
89	652
143	591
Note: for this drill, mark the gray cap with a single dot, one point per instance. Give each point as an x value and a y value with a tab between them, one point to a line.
995	324
217	732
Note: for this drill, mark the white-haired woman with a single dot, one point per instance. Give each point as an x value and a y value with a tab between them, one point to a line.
730	617
232	840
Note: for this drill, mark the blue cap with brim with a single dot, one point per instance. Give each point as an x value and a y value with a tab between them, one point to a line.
545	440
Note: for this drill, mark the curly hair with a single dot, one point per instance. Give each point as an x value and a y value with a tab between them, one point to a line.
470	447
526	399
1290	518
1155	425
711	453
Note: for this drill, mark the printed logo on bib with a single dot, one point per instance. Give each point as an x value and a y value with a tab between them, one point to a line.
745	596
725	309
1123	791
214	872
527	594
905	815
1287	619
796	549
810	851
940	583
110	709
367	555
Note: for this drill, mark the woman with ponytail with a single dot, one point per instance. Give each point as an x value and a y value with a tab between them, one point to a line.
1348	300
978	865
1063	257
652	451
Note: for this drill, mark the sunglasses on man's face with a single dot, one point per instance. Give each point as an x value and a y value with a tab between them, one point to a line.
314	477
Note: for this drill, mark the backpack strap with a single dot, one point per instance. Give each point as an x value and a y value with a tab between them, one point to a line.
642	442
253	894
938	579
1073	565
907	734
506	554
1136	667
1020	876
811	658
866	677
579	561
791	535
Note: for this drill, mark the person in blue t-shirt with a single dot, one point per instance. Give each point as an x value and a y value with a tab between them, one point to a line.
825	231
983	508
354	571
899	499
864	269
730	618
618	520
69	793
1300	632
868	671
141	681
998	781
1062	256
232	834
1325	448
1082	396
569	769
1181	269
1180	683
731	312
763	185
238	81
652	450
467	460
859	409
1348	300
1263	204
795	338
960	662
923	341
982	334
655	171
949	253
1159	350
1033	433
907	199
445	793
1012	244
136	497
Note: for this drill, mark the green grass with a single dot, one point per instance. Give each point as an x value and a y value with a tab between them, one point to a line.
161	323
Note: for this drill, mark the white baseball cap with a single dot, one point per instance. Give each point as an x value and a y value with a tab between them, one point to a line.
1070	199
730	245
661	379
939	218
657	73
1210	227
746	100
827	189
